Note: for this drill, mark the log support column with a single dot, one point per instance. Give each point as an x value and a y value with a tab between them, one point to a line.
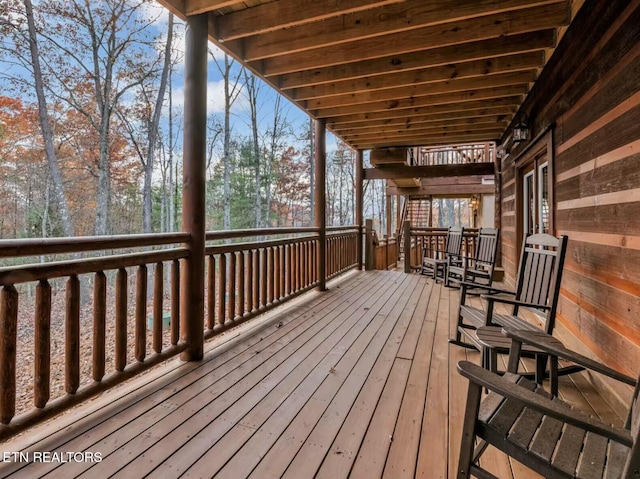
320	202
193	186
359	205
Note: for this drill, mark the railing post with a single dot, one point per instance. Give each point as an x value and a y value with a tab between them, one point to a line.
320	200
193	185
406	237
368	245
359	205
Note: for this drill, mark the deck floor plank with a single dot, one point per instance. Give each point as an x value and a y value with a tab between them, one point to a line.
355	382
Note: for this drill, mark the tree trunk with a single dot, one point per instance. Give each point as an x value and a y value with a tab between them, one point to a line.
47	133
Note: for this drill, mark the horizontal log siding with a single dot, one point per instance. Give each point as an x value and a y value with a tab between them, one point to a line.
591	92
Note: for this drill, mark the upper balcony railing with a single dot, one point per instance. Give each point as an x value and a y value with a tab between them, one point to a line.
453	155
75	326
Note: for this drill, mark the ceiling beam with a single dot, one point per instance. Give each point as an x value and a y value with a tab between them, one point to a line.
383	133
410	142
423	101
194	7
405	17
490	132
287	14
495	47
458	71
471	30
414	91
400	171
468	119
455	110
423	190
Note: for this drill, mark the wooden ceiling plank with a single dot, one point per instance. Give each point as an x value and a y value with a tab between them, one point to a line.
195	7
390	19
455	85
287	14
439	171
421	101
438	190
419	131
462	119
384	135
511	102
472	30
422	141
495	47
458	71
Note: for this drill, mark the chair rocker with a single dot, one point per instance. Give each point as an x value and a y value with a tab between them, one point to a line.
542	432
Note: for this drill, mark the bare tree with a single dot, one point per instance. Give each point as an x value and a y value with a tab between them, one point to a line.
252	87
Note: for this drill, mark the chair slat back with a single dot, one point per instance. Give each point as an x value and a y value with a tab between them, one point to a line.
454	241
632	467
540	273
486	247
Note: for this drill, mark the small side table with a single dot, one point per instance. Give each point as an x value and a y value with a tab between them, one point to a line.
494	341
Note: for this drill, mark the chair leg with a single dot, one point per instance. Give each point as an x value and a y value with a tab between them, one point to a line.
474	394
541	365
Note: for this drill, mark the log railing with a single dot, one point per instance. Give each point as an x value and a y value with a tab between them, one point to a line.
386	253
84	324
455	155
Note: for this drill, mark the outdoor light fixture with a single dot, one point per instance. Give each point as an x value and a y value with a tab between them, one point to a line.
520	132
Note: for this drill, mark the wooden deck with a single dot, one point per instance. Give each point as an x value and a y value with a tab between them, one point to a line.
357	382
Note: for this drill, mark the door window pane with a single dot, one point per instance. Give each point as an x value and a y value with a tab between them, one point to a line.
529	204
543	189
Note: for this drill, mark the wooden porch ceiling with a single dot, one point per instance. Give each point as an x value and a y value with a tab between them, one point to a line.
394	72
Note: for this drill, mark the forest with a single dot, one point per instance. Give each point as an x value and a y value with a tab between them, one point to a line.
91	130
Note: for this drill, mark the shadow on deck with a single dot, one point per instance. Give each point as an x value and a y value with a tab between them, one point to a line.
356	382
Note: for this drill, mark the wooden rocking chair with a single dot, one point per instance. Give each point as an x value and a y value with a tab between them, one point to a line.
541	432
479	268
435	262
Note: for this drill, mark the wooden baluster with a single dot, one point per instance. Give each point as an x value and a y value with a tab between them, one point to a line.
211	293
276	273
222	287
99	324
232	286
283	277
241	273
42	337
141	313
121	320
289	254
310	257
263	277
270	275
256	280
297	267
175	301
303	264
72	336
8	338
158	297
249	282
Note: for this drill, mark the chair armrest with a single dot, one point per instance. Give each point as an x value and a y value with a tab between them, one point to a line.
541	341
502	298
553	408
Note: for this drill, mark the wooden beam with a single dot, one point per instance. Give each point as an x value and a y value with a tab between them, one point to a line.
438	190
472	30
405	17
491	48
195	7
442	137
388	155
421	141
427	133
417	123
458	71
455	85
193	186
423	101
287	14
439	171
436	112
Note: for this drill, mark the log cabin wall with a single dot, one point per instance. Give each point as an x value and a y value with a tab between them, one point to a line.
588	97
